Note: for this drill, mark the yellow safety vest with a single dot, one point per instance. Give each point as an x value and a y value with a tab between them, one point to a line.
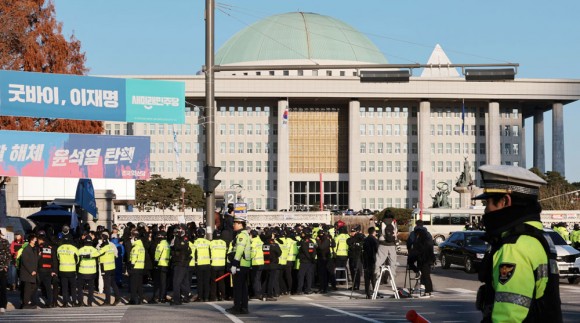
137	256
162	254
292	249
341	245
88	266
202	252
218	252
107	258
243	251
284	247
257	253
192	250
66	258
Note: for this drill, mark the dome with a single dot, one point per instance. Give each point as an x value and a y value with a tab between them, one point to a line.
299	38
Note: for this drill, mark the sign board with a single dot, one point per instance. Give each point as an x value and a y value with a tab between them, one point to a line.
229	197
241	210
46	95
51	154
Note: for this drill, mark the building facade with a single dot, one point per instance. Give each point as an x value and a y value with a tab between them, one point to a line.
302	137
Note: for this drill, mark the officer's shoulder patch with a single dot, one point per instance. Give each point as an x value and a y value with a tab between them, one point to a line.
240	239
506	271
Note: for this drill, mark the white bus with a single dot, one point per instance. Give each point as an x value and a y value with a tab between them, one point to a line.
441	222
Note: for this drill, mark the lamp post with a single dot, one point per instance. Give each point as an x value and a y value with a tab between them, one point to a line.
183	199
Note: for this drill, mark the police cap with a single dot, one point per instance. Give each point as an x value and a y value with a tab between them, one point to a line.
505	179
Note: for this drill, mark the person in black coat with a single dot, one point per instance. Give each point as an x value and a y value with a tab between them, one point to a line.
29	272
355	243
324	258
423	252
370	249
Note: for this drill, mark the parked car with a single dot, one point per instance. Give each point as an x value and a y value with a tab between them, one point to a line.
365	212
568	258
349	212
463	248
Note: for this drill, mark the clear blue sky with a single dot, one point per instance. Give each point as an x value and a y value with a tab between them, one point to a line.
167	37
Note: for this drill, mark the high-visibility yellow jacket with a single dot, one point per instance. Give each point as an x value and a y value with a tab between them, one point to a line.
88	260
162	253
218	252
68	256
257	253
202	253
107	258
137	256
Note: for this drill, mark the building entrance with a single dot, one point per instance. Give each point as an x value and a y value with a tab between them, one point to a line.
305	195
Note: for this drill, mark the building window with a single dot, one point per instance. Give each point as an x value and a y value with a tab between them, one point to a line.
250	129
371	147
516	149
389	185
379	130
258	166
241	166
380	166
389	166
363	148
515	131
380	148
241	129
371	166
363	166
482	148
152	148
232	166
397	166
363	185
250	166
397	185
380	185
371	185
363	129
388	130
414	166
222	147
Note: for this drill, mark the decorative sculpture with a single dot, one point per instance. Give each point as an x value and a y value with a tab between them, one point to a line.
441	198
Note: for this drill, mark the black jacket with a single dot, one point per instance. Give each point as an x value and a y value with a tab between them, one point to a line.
370	249
29	264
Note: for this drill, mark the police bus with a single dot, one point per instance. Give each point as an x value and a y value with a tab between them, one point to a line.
441	222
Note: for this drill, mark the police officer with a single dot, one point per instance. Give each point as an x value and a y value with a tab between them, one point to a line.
218	251
287	276
520	271
136	269
241	261
575	236
180	257
307	259
257	265
271	247
202	265
68	258
370	250
108	252
355	242
87	271
161	261
47	269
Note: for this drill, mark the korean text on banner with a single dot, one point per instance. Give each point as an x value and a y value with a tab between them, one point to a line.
45	95
46	154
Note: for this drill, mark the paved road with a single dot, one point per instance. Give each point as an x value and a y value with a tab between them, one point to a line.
453	301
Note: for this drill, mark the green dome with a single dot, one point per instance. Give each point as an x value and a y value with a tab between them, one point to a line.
299	36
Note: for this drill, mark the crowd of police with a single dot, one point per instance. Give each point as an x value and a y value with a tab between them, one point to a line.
237	263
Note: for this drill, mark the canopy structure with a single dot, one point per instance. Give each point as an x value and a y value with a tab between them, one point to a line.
52	213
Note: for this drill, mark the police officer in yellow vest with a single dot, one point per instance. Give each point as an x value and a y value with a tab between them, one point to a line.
341	250
257	265
520	271
290	273
161	267
108	252
87	270
202	265
284	275
218	251
240	266
68	258
136	269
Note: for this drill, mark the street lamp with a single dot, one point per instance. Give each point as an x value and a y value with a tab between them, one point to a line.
183	199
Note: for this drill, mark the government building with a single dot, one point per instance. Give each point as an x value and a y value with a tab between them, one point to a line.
298	138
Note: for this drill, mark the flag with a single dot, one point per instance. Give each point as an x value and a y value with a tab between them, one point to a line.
176	151
85	196
74	220
463	117
285	116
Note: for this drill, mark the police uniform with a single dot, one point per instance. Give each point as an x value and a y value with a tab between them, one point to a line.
202	265
109	252
47	270
575	237
137	269
180	257
240	268
87	271
68	258
161	260
307	262
218	251
257	265
520	271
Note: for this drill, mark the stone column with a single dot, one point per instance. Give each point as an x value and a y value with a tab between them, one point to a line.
558	162
104	200
283	175
354	156
523	144
424	156
493	148
539	155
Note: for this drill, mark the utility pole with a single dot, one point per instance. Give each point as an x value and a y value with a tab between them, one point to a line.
209	110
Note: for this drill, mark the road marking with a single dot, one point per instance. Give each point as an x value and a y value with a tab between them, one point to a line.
346	313
233	318
462	290
291	315
300	298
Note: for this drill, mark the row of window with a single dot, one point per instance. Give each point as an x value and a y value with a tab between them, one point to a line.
244	111
387	112
150	129
447	112
248	129
251	185
248	147
388	166
381	203
249	166
388	147
387	130
471	148
158	167
169	147
388	185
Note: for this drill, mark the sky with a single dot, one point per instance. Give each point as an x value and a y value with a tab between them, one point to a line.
143	37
